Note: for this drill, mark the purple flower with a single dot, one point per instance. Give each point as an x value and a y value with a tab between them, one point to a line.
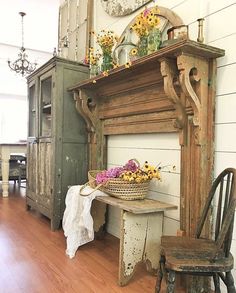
103	176
114	172
146	12
131	165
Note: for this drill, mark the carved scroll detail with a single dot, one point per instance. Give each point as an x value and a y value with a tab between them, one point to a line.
186	64
169	73
83	109
195	70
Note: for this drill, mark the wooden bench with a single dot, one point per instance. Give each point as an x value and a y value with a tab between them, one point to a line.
140	232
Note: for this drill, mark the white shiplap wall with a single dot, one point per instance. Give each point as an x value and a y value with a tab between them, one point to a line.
219	31
155	148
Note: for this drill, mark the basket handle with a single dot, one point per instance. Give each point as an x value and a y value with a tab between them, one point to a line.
86	184
136	161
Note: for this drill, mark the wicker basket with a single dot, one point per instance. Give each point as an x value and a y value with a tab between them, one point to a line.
119	188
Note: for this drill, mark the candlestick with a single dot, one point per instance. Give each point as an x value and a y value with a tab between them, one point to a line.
200	37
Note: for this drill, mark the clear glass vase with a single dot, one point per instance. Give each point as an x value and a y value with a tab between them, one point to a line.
143	46
154	40
107	62
94	70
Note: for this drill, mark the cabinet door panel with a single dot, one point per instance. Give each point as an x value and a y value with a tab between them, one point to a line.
45	184
32	169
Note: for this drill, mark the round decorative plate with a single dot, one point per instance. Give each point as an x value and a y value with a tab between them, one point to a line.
122	7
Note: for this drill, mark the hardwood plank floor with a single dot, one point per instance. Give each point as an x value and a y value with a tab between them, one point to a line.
32	258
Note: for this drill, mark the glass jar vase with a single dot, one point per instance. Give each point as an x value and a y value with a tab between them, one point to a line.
107	61
143	46
94	70
154	40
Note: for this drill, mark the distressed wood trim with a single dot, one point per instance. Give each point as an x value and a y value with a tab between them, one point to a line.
81	105
169	72
148	123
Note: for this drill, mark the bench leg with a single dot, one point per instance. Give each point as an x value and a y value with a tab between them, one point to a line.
139	242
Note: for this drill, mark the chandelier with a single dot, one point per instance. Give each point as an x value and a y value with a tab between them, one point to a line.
22	65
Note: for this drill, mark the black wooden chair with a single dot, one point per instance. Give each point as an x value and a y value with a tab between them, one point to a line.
199	256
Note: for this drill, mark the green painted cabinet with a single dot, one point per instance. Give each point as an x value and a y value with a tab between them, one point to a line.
57	138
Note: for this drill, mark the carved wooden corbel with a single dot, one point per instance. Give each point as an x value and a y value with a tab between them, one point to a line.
192	71
82	107
170	74
87	109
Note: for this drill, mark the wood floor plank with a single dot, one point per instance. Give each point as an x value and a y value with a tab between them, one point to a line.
33	259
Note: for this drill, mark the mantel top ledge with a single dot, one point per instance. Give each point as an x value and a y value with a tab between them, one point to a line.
182	47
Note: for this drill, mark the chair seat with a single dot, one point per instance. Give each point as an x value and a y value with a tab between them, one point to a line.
193	255
183	242
199	256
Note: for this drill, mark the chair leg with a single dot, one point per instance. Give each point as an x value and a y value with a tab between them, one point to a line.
230	283
216	283
159	274
171	282
19	181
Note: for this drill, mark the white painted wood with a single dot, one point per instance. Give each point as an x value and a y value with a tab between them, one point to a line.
140	242
224	160
174	214
170	226
220	24
151	141
183	10
225	80
226	43
140	233
225	108
169	184
5	151
113	222
214	6
226	137
163	158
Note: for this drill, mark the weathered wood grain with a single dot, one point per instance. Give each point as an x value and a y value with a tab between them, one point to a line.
137	206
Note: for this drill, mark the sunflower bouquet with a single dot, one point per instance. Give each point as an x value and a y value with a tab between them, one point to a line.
93	57
106	40
146	21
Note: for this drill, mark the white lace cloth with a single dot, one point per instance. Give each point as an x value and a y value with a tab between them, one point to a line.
77	221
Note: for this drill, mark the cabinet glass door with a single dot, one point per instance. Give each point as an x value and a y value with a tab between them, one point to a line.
46	99
32	111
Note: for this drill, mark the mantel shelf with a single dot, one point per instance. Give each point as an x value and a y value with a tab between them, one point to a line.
146	63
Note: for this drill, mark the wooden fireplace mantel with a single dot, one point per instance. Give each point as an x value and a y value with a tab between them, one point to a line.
171	90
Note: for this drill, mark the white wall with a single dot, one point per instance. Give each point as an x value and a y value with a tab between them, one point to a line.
219	31
157	149
40	23
40	38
